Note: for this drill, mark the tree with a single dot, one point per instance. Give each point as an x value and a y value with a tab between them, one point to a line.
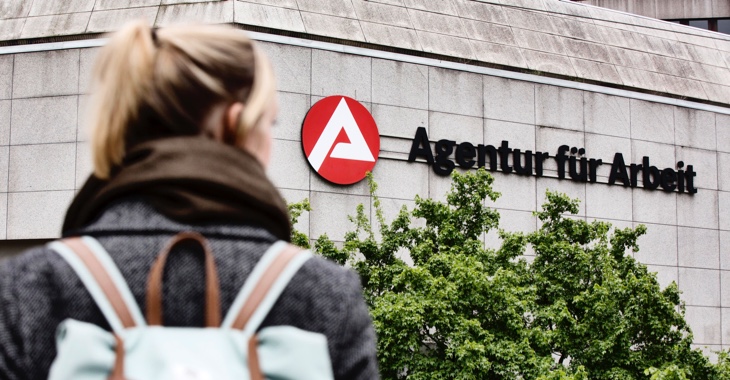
582	309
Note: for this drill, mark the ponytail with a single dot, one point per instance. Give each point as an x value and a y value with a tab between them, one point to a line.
122	78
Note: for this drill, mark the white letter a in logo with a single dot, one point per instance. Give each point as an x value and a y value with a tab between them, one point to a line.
357	149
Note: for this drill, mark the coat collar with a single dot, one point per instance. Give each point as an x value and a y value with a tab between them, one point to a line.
134	216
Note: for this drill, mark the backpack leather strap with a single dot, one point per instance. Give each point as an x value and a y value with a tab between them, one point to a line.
264	285
102	279
212	290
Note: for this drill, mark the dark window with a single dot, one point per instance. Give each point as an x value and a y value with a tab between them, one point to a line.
723	26
702	24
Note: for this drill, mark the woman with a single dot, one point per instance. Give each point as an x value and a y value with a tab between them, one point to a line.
181	136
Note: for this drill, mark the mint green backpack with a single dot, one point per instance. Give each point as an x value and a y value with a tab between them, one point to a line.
139	350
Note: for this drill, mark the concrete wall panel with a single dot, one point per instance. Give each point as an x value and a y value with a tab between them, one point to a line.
399	121
289	168
700	287
698	248
44	120
725	325
652	122
5	122
400	84
670	9
613	202
455	92
387	35
208	12
559	107
694	129
340	74
720	9
724	209
268	16
725	280
706	323
699	210
51	7
71	23
604	148
6	76
722	128
293	108
665	275
725	250
607	115
46	74
332	26
658	246
292	65
3	215
42	167
519	135
84	164
723	172
518	193
509	100
445	45
455	127
37	215
654	207
86	66
334	221
4	158
102	5
83	127
400	180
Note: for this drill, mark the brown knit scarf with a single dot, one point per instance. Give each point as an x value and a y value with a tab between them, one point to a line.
193	180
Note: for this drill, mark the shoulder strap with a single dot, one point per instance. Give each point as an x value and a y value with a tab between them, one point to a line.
102	279
264	286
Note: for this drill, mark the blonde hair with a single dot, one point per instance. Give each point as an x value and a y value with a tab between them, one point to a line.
151	84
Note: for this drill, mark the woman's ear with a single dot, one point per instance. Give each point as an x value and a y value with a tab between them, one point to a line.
231	123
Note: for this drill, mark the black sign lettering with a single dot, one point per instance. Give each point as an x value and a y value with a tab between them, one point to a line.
443	164
464	154
421	147
618	170
571	160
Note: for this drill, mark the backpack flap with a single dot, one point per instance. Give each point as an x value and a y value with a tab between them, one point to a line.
85	352
286	352
183	353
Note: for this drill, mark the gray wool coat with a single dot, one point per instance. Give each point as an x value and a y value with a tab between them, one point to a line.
38	290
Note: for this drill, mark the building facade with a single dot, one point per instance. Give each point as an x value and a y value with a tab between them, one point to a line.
537	74
705	14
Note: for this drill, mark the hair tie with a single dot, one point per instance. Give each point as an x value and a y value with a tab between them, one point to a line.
155	41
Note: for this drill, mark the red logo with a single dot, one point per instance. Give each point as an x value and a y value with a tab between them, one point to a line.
340	139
